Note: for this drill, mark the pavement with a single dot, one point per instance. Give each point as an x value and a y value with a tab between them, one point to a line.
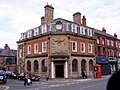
78	79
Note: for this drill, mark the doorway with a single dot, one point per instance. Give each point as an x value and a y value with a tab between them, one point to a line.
59	71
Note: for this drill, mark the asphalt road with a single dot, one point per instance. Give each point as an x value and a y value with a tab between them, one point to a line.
78	84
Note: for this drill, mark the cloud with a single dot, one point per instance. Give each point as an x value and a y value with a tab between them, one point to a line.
18	17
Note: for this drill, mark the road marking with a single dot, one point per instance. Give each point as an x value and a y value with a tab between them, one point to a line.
87	86
6	87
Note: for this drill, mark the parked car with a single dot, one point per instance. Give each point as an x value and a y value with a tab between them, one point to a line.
21	76
12	74
3	77
32	76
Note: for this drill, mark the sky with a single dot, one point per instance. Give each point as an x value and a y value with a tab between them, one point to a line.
18	16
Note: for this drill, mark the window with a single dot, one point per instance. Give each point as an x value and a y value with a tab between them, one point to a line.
44	67
108	52
36	48
116	44
49	27
111	43
29	33
74	46
82	47
103	41
98	40
36	31
44	29
108	42
20	53
90	48
36	66
74	29
74	65
28	65
90	32
29	49
44	46
82	31
119	44
68	27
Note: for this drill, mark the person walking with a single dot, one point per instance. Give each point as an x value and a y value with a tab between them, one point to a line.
83	74
47	76
25	79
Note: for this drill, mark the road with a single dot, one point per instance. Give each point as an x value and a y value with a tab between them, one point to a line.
78	84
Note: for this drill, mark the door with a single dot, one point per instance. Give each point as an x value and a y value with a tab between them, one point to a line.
59	71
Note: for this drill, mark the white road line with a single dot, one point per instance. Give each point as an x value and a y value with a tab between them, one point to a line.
87	86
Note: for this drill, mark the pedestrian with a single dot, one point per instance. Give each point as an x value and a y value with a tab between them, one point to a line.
30	77
25	79
83	74
47	76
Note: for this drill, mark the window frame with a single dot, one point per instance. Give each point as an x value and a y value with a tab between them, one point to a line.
83	51
29	49
44	43
74	48
36	48
90	48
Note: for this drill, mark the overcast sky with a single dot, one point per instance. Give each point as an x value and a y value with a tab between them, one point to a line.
17	16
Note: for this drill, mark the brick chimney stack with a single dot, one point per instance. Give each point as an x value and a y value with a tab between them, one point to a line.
84	21
115	35
6	47
49	11
103	30
77	18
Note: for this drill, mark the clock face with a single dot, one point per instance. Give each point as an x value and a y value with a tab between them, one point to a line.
58	26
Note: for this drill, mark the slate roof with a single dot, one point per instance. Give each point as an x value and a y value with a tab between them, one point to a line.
11	53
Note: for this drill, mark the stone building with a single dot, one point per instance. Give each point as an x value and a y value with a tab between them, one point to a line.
59	47
8	58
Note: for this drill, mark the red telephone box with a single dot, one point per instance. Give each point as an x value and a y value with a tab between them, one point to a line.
97	71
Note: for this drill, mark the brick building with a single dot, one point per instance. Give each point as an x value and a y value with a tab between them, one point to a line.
107	51
58	46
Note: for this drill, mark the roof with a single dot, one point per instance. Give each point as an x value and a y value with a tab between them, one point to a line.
4	52
103	33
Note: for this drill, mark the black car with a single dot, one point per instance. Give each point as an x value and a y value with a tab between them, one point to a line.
12	74
3	77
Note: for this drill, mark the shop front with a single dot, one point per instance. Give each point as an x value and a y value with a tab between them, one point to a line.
105	68
113	64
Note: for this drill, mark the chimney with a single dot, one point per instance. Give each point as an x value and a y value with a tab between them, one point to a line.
49	10
84	21
42	20
103	30
77	18
6	47
115	35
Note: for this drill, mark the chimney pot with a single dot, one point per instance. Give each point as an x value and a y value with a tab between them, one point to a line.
84	21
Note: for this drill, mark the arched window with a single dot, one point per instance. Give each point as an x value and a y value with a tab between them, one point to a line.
28	65
83	65
36	65
74	65
44	66
91	65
